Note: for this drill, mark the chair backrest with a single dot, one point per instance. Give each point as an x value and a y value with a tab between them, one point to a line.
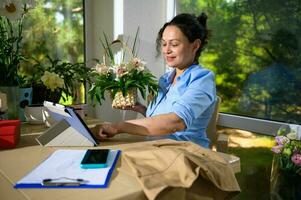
211	129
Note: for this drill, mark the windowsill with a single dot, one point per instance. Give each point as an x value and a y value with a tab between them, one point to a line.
249	124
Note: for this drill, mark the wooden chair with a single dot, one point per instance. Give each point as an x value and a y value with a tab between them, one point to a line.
219	141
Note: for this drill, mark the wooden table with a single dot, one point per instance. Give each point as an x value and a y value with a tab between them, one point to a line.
17	162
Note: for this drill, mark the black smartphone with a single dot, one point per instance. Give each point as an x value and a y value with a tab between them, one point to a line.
95	158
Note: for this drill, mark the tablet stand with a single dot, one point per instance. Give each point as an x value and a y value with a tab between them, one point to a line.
63	134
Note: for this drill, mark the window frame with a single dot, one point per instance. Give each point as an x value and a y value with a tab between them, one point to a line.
261	126
252	124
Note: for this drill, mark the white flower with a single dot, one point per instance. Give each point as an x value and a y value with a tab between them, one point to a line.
52	81
136	63
12	9
3	3
282	140
292	135
118	71
101	68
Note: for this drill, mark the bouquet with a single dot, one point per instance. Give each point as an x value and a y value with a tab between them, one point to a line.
288	151
121	78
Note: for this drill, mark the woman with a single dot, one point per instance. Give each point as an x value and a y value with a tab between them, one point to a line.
187	94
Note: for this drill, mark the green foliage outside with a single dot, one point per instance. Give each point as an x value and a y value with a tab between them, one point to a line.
53	29
255	53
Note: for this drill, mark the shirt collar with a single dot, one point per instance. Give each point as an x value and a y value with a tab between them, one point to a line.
168	79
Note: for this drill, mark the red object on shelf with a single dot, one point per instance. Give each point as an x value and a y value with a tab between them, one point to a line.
9	133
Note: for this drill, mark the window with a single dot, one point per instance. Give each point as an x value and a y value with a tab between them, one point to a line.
55	29
255	53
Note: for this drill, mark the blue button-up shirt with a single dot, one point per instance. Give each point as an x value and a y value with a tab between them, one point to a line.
192	98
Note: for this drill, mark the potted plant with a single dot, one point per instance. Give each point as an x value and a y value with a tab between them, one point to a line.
121	78
12	14
52	77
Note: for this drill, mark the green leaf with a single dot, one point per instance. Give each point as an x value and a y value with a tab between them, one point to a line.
134	53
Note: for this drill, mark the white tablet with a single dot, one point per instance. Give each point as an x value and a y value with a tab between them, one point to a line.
60	112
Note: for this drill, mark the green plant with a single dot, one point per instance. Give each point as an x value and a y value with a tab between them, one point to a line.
11	27
120	76
59	76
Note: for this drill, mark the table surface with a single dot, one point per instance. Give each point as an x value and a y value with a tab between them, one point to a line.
16	163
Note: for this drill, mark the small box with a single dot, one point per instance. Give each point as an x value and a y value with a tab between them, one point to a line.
9	133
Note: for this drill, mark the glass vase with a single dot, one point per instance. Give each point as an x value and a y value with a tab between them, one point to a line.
284	185
12	97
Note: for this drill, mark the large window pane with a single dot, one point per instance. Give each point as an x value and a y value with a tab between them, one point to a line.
255	53
55	28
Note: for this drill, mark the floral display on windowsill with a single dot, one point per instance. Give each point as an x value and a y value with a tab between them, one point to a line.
286	167
121	78
52	77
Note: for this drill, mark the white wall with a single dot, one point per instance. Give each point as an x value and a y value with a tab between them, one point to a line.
98	18
149	15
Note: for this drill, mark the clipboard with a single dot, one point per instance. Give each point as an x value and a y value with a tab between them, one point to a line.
69	129
65	164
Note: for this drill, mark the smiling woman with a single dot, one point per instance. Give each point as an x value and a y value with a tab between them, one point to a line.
177	50
186	96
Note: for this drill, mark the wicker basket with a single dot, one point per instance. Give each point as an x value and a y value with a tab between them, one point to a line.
129	100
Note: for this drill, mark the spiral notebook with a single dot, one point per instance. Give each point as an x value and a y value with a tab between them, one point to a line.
65	164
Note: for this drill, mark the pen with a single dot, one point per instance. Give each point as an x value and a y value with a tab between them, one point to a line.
63	182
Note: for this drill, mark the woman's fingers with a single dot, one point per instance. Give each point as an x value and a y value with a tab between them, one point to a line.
98	132
104	131
101	135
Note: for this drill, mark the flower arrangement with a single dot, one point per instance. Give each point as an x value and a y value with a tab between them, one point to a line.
11	26
288	151
51	77
121	78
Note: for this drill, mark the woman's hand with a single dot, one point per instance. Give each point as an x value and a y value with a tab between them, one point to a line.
138	107
104	131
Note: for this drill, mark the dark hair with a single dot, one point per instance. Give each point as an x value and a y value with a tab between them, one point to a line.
192	27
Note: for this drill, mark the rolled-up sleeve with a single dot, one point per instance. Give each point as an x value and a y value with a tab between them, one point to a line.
196	96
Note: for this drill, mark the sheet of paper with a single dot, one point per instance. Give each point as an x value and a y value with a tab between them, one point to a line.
66	163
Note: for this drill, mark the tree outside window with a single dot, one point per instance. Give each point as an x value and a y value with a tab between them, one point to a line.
255	53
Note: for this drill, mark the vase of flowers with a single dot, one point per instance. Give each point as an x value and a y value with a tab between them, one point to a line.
12	14
286	167
122	78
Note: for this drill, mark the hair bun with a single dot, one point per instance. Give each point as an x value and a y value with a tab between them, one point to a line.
202	18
